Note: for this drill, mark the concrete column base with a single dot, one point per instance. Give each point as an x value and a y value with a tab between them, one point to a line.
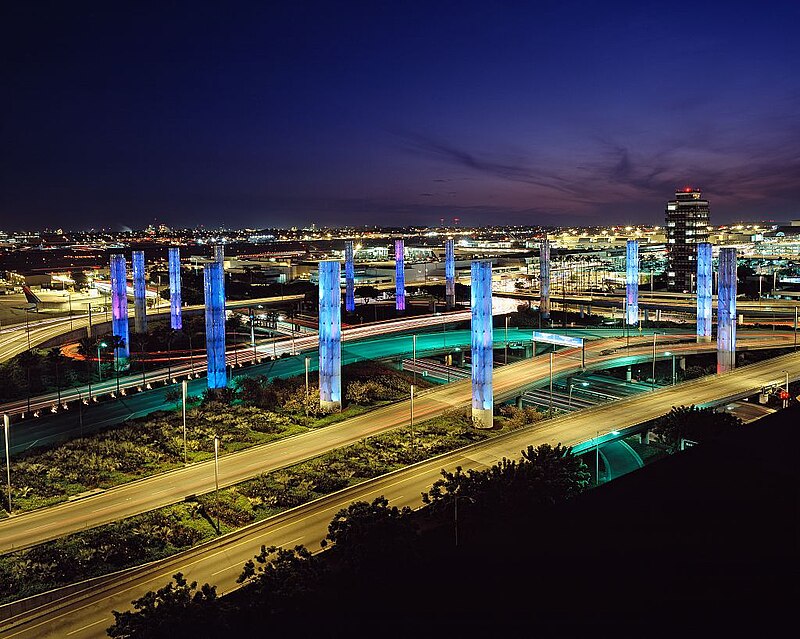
330	407
482	417
628	374
519	402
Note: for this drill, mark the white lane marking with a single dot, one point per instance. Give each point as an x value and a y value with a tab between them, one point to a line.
85	627
285	544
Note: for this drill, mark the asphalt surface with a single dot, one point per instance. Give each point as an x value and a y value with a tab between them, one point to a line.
87	614
42	326
34	527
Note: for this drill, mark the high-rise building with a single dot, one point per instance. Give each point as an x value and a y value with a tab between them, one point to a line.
687	225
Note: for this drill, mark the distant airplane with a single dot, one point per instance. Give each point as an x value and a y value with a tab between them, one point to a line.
35	304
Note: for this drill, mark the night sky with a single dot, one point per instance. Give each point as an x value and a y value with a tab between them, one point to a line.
279	114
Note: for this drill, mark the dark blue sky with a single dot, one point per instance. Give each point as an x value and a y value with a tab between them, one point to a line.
260	114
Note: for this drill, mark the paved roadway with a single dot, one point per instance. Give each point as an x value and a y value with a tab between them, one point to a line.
51	426
684	303
14	338
278	347
153	492
86	614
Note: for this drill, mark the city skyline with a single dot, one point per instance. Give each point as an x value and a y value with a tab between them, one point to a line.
553	114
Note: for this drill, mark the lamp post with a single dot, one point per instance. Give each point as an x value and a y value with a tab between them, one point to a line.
414	361
6	431
551	383
216	477
505	346
99	367
795	328
411	420
183	394
653	386
668	353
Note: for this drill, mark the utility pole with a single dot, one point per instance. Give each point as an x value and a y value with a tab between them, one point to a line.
505	348
6	430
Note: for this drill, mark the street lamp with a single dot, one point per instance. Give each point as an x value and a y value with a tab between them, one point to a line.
216	477
6	430
505	347
551	383
411	420
99	367
183	393
668	353
571	386
414	359
653	386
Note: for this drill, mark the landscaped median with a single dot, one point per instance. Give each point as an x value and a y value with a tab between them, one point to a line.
163	532
258	412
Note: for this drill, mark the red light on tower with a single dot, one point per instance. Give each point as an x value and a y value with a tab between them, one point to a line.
687	189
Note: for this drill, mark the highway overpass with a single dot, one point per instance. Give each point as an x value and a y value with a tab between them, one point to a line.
86	613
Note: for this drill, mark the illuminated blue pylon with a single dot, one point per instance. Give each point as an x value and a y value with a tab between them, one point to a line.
175	319
544	279
726	310
214	293
349	278
139	292
119	311
399	276
632	282
704	291
450	274
330	336
481	343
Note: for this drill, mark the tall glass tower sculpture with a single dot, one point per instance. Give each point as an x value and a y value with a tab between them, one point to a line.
119	311
704	290
399	276
214	291
175	319
726	310
632	282
330	336
482	354
450	274
544	279
139	292
349	278
219	253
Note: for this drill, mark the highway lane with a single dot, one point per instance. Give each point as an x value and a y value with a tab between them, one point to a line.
764	308
14	339
242	354
85	615
51	427
153	492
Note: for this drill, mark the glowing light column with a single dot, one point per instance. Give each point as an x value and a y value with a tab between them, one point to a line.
399	276
450	274
704	290
219	253
175	319
139	292
726	310
330	336
482	354
544	279
632	282
213	279
349	278
119	310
